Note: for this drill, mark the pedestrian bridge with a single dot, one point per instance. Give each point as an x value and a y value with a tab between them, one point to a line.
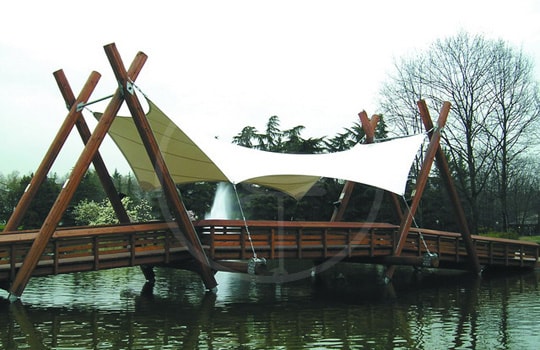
228	245
231	244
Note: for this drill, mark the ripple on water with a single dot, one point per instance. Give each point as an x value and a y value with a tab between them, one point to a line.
109	310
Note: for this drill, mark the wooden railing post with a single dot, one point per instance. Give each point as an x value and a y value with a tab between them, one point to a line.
242	243
95	249
55	258
299	243
273	243
212	241
13	261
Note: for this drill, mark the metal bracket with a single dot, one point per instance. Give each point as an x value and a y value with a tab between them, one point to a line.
130	88
430	260
253	263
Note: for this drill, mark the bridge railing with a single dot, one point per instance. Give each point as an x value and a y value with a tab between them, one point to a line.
490	251
91	248
295	239
360	241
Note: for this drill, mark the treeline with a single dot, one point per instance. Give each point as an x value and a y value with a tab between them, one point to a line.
490	141
13	185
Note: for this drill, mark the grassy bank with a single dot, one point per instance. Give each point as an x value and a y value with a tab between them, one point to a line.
530	239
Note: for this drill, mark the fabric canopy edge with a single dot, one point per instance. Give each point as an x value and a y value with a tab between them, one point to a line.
230	169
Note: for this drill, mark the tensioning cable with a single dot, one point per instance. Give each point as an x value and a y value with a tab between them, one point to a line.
245	221
429	256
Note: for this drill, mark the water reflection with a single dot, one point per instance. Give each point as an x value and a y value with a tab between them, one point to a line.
347	308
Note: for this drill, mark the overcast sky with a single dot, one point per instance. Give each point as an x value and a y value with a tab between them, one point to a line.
217	66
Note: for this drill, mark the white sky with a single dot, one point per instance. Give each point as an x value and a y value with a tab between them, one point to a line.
217	66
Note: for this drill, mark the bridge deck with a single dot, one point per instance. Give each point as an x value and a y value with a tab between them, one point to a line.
156	243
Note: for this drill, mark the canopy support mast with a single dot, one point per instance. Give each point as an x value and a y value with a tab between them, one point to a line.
442	164
185	226
421	182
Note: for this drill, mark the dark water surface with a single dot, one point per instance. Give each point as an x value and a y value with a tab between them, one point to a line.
348	308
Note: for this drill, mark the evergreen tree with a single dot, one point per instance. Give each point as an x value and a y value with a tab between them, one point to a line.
41	204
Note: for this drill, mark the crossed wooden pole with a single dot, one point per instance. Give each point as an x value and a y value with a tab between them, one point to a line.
433	152
90	154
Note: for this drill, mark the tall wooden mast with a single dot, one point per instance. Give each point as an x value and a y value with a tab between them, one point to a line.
185	227
434	151
442	164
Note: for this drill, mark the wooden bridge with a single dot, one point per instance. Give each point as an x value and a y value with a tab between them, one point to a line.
229	247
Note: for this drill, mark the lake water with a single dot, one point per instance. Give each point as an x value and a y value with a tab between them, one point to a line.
346	308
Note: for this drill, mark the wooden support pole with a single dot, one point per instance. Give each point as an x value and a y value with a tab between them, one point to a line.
63	199
152	148
421	182
343	201
369	125
98	162
442	164
41	173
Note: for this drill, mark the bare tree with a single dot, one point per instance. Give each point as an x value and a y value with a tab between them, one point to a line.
516	111
524	193
400	94
470	72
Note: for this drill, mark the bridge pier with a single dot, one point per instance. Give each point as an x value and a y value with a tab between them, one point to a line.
149	274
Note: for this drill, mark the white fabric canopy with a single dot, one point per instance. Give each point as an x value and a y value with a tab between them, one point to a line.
384	164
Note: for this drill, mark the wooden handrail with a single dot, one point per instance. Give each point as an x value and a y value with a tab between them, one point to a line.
293	224
84	231
102	247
